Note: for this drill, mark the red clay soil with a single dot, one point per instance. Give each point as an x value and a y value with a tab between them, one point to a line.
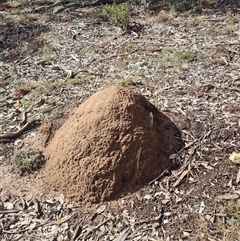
115	142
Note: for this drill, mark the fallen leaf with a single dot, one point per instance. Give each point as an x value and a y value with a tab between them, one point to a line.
19	93
202	207
8	205
238	177
211	239
165	201
101	209
147	197
189	192
123	235
235	157
62	220
228	197
17	105
220	61
220	48
125	213
60	238
205	164
186	234
181	178
158	194
32	226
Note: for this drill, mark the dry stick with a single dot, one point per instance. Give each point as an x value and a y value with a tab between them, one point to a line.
48	136
183	175
68	4
26	229
98	226
44	7
10	211
188	145
16	133
77	232
229	88
48	222
149	221
159	176
22	129
77	70
82	5
67	71
195	140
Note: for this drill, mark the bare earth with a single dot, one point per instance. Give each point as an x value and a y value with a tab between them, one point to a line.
186	64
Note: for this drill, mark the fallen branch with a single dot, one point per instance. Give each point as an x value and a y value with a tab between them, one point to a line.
98	226
160	175
69	4
12	135
10	211
24	122
26	229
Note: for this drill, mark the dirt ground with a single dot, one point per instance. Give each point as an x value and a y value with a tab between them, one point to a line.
186	64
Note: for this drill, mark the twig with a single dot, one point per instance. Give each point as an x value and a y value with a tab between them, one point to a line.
187	146
159	176
44	7
69	4
77	232
10	211
138	156
68	71
98	226
12	135
26	229
20	130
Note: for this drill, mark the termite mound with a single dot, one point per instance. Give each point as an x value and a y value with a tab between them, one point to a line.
115	142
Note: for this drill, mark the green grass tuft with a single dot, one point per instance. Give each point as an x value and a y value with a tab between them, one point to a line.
118	14
28	161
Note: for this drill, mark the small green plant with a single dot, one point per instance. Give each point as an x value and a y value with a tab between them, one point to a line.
173	58
4	73
197	207
222	224
184	55
45	2
224	210
28	160
230	29
125	83
45	88
118	14
230	222
183	6
47	51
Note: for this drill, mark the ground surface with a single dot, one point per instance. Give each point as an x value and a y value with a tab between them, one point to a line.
187	65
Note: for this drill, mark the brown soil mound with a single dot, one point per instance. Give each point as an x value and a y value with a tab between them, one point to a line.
115	142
